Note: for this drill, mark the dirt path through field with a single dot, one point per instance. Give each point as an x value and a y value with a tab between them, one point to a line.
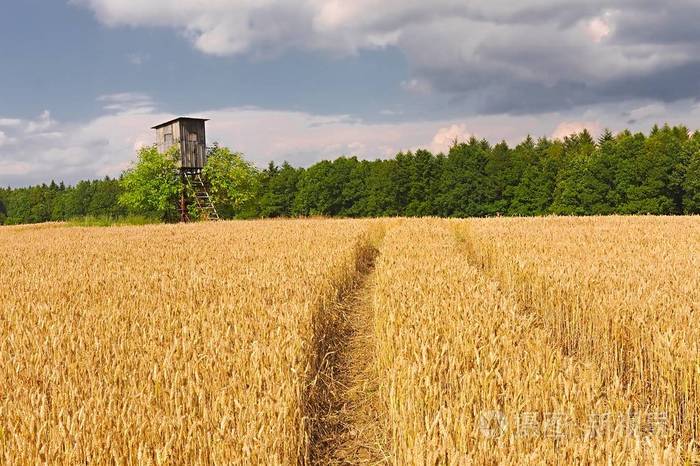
342	427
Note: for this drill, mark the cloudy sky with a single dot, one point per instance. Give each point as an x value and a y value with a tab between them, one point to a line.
82	81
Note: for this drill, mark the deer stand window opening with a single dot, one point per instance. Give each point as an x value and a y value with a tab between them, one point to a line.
189	135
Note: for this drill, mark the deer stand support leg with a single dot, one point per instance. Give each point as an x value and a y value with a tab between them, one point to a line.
184	214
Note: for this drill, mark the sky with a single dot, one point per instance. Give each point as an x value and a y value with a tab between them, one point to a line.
83	81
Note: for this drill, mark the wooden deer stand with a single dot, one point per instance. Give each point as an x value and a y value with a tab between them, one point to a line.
189	135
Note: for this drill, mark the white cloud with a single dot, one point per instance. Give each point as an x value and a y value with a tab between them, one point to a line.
106	145
446	137
598	29
304	138
5	139
10	122
46	149
127	102
137	59
41	124
390	112
13	168
417	86
567	128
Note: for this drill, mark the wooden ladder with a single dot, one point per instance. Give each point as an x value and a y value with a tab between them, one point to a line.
201	196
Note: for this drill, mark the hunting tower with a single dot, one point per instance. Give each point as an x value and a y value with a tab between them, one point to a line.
189	136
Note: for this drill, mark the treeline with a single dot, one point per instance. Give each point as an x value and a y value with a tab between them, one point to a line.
625	173
57	202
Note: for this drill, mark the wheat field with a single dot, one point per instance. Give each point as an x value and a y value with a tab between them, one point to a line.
394	341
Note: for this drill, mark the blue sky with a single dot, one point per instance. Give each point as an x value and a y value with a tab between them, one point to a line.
82	81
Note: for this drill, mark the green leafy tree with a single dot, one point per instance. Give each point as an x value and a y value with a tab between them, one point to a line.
3	210
79	199
625	174
322	188
579	190
582	186
354	192
534	193
105	197
465	189
652	190
501	170
153	184
691	185
331	188
232	179
285	187
381	196
425	175
277	189
39	198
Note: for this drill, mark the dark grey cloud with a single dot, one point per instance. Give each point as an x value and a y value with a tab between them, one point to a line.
533	97
604	55
666	85
664	24
501	95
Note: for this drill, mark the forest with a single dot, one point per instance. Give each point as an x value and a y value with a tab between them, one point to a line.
627	173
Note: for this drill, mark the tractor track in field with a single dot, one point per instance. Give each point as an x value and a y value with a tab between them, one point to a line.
338	405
